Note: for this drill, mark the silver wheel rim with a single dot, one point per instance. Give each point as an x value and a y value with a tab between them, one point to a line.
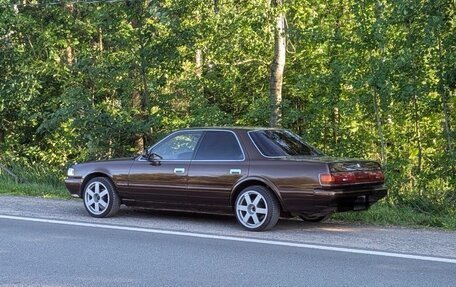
251	209
96	198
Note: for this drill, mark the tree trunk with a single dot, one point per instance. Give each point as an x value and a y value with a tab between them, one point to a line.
416	113
69	55
199	63
140	96
444	93
69	51
335	80
378	91
418	132
145	86
100	40
379	128
277	68
137	105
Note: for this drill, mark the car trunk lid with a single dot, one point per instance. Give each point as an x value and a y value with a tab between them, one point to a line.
353	165
352	172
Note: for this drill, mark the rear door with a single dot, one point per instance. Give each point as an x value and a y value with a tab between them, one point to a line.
218	164
165	180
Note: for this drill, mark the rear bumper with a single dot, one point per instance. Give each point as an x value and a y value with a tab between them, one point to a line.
347	200
73	184
324	201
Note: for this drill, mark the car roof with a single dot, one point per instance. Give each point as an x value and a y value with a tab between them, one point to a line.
231	128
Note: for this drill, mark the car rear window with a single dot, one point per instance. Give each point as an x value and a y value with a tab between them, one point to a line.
276	143
219	145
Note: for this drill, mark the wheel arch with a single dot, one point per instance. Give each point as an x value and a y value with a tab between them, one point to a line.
92	175
255	181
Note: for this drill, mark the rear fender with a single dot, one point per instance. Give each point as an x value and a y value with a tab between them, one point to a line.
249	181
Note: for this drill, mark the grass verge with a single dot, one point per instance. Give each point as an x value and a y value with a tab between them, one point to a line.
387	215
379	214
34	189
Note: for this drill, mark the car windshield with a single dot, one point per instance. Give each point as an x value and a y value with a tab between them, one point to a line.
282	143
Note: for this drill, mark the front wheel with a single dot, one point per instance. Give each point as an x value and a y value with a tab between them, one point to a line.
100	198
257	208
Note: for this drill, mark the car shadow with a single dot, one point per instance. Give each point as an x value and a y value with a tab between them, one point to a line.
175	215
284	224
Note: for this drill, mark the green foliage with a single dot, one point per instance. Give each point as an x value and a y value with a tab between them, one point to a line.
373	79
384	214
33	189
35	179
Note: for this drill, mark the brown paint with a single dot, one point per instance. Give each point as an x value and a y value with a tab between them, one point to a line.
208	186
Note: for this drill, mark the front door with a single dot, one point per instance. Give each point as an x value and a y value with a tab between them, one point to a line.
165	178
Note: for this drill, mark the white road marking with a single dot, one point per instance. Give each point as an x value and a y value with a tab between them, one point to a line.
233	238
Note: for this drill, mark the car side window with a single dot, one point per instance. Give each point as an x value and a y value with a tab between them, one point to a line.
178	147
219	145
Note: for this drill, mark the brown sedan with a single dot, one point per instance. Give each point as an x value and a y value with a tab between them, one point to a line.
259	174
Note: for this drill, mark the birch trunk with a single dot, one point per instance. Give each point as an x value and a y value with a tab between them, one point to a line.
277	68
69	51
199	63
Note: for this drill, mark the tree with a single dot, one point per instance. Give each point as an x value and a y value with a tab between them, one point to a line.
277	65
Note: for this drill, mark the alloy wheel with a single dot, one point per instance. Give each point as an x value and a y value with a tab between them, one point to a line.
96	198
252	209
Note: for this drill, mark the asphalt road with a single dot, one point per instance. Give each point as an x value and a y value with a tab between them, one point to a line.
121	251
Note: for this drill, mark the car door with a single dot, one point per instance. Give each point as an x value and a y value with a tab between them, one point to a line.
218	164
165	179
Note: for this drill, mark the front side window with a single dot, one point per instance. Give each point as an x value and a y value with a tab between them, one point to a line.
281	143
219	145
178	147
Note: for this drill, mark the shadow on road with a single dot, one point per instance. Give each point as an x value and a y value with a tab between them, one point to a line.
284	224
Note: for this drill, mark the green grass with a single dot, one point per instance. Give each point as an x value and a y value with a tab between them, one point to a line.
34	189
35	180
387	215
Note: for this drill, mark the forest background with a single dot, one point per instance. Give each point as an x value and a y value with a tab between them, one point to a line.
84	80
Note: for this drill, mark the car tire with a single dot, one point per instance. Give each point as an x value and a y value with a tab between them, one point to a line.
100	197
315	218
257	208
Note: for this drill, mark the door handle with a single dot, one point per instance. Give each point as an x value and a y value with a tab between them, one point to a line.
235	171
179	170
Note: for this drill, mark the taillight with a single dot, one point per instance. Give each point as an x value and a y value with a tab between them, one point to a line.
351	177
376	176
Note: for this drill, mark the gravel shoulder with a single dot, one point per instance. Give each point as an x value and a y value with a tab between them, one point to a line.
390	239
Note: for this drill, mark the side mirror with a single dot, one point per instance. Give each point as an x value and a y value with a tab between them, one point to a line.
153	157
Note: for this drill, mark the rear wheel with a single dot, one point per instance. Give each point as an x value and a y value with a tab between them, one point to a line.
257	208
311	218
100	198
